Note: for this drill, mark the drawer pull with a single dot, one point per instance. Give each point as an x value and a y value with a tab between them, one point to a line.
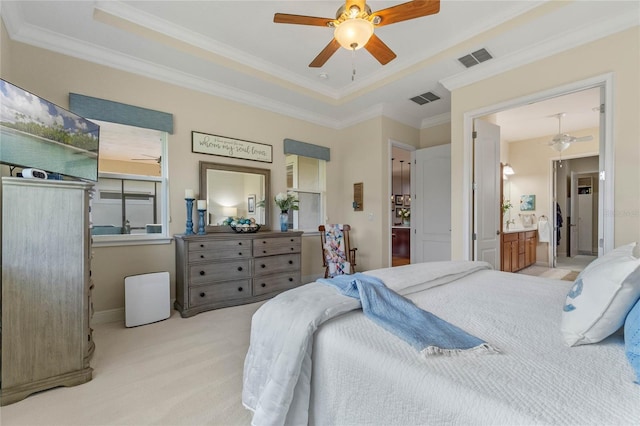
290	279
202	294
292	249
239	268
202	256
291	262
292	240
240	289
202	245
240	243
263	266
239	253
263	285
264	251
201	272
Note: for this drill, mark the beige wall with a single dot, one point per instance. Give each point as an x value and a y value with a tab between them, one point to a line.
435	135
617	54
358	154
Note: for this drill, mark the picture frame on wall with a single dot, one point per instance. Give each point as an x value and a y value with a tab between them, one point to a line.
527	203
399	200
407	200
251	203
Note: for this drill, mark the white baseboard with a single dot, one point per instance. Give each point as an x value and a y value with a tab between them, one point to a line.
110	315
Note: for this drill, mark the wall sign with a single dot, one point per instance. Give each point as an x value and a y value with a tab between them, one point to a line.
204	143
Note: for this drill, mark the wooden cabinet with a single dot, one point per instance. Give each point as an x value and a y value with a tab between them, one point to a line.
401	242
223	269
46	286
518	250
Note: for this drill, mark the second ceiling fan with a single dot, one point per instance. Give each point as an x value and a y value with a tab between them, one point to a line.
354	26
561	141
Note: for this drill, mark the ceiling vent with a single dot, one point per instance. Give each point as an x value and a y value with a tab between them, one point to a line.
475	58
425	98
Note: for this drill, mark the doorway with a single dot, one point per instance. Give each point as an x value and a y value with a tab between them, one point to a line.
605	226
400	226
577	189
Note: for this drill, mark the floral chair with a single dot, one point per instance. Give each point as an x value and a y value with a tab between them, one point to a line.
337	255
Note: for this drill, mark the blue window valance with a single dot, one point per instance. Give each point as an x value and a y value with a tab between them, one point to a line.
116	112
306	149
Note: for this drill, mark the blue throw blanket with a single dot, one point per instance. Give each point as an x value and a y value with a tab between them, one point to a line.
423	330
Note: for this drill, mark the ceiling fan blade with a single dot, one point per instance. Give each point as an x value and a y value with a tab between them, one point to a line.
285	18
405	11
379	50
583	139
326	53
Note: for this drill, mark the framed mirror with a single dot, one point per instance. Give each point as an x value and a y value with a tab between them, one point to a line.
236	191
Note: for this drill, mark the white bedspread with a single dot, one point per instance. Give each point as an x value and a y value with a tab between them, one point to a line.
363	375
278	367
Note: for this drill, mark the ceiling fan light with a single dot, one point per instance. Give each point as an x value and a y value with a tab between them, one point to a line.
353	34
560	145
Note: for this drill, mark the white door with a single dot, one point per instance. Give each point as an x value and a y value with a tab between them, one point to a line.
585	206
572	216
486	197
431	204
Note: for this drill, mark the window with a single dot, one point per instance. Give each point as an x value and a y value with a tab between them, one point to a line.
130	200
307	178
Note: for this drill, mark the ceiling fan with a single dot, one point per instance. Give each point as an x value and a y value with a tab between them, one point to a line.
561	141
354	25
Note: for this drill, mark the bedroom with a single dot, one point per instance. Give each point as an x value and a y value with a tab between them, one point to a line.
53	75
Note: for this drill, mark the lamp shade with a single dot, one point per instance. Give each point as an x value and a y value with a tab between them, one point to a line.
507	169
353	34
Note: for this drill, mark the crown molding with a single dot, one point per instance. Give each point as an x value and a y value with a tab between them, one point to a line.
569	40
436	120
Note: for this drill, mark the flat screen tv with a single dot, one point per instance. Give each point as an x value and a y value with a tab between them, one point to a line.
36	133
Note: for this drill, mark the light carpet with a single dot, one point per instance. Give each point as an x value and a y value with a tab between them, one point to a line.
180	371
553	273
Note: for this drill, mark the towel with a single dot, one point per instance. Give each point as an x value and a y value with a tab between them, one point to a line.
334	251
427	333
544	231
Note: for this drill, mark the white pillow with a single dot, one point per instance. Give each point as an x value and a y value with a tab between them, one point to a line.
601	297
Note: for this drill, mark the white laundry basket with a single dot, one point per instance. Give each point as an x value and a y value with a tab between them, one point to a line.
146	298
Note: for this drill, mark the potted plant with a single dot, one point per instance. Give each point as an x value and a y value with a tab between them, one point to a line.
405	214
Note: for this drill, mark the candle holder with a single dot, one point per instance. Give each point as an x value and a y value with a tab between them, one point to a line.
189	230
201	230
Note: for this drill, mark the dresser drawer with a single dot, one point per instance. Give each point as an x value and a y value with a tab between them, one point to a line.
275	264
218	246
206	294
215	254
220	271
279	282
281	245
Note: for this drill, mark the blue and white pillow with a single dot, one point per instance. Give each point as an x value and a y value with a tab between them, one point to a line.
632	339
601	297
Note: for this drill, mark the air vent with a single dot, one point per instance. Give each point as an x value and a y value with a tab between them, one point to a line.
475	58
425	98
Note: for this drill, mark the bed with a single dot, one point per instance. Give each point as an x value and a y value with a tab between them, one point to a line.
353	372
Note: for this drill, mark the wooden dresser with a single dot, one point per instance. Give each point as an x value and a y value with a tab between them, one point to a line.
223	269
46	286
518	250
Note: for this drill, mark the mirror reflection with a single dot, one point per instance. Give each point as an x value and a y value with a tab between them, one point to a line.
234	191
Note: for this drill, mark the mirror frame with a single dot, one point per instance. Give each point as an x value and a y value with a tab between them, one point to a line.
266	173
